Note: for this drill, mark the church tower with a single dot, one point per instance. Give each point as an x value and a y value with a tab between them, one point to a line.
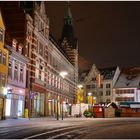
69	42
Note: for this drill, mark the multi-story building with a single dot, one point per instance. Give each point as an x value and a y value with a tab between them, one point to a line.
16	88
47	91
127	87
99	84
3	69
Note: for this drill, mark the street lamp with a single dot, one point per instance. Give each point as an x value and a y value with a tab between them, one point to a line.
80	86
63	74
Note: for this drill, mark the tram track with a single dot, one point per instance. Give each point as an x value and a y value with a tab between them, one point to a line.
53	133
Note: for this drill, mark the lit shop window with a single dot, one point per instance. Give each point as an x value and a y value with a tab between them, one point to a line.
1	35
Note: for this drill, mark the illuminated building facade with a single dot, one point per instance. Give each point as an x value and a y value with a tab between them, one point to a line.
16	88
47	90
127	87
99	83
3	68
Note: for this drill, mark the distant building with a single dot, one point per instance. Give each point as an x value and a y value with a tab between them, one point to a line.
99	83
3	68
127	87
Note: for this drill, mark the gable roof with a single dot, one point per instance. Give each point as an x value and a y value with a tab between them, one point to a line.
108	73
129	78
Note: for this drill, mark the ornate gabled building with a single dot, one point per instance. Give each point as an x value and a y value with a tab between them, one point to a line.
99	83
47	92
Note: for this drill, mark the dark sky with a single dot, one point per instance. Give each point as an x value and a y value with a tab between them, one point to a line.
108	32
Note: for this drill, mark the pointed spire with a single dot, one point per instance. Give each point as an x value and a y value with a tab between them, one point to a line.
68	16
68	39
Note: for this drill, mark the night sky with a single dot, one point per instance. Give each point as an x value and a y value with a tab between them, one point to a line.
108	32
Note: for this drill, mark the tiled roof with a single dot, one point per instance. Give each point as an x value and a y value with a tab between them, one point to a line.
108	73
82	75
129	77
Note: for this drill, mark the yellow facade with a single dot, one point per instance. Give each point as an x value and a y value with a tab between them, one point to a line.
80	95
3	68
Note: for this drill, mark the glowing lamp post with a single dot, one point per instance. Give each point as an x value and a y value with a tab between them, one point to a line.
90	94
63	74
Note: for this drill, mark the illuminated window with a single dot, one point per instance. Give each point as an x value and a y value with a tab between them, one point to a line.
1	35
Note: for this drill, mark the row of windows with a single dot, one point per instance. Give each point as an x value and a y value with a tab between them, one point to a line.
41	27
125	99
94	86
125	91
108	93
2	79
3	56
51	79
18	71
